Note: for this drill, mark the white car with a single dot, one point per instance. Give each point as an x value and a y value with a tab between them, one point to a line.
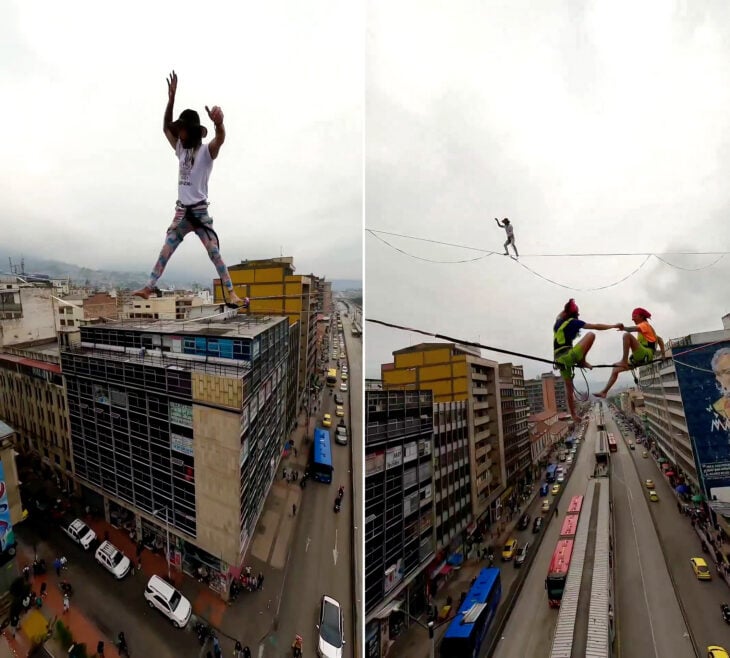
561	478
80	533
168	601
113	560
343	386
341	435
331	632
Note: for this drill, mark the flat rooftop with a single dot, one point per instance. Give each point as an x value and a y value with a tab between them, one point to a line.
239	326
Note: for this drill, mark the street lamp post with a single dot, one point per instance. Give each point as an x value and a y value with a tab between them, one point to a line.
167	533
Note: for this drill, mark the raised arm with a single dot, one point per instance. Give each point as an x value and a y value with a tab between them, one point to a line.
216	116
499	223
167	121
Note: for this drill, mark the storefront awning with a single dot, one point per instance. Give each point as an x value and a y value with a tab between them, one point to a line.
387	609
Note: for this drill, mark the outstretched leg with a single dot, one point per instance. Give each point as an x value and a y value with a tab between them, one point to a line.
506	253
211	245
570	395
175	235
514	246
629	343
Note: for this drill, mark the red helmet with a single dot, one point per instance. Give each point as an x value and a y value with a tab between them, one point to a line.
642	312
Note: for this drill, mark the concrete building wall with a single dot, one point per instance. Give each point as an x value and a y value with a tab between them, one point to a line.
217	457
223	391
32	315
33	401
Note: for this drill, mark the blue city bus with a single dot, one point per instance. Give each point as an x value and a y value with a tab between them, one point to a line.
466	632
550	473
322	456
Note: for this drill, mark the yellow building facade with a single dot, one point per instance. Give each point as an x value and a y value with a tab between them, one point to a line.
453	373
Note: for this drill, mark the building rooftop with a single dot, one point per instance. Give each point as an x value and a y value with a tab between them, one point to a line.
241	326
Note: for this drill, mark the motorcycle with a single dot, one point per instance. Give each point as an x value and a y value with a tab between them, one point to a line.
66	587
296	646
338	504
341	493
725	608
203	631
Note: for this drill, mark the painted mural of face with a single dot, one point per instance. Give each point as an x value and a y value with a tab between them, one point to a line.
722	374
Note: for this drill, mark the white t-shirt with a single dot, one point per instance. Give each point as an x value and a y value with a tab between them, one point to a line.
192	186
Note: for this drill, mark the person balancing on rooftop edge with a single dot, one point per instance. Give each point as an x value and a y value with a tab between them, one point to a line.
642	348
191	210
567	356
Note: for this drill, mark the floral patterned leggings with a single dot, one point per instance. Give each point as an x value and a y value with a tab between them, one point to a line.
176	233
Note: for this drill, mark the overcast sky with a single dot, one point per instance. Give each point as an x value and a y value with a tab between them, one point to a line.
89	177
594	126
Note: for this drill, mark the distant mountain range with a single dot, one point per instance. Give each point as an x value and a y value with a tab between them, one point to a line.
114	278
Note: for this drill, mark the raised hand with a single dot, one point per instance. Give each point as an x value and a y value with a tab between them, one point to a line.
215	115
172	86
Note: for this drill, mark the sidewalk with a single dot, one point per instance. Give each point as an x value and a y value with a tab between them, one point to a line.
34	623
253	614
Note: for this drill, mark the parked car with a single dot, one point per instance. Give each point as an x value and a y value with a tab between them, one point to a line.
79	532
113	560
168	601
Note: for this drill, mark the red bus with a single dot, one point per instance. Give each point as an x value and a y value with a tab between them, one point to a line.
612	445
558	572
576	504
570	526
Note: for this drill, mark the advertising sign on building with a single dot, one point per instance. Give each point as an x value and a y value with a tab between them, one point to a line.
181	414
704	382
394	457
374	463
181	444
7	537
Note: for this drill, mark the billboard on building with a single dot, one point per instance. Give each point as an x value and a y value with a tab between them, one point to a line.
7	537
704	382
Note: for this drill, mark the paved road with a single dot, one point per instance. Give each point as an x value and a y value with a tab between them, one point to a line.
113	605
529	630
354	355
701	600
320	559
649	620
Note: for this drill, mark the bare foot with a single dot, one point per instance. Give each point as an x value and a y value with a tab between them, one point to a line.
144	293
233	298
600	395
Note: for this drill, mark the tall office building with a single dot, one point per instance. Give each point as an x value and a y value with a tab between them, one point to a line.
455	372
516	434
546	392
181	423
682	405
399	499
274	289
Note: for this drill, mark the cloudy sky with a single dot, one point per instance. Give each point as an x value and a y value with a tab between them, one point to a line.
596	127
89	176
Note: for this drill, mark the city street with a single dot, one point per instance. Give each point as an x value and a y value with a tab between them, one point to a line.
320	559
112	605
649	620
529	630
701	599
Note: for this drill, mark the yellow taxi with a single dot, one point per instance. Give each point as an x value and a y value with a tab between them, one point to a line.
645	454
343	376
653	496
340	410
699	566
649	484
509	550
717	652
545	505
327	420
555	490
